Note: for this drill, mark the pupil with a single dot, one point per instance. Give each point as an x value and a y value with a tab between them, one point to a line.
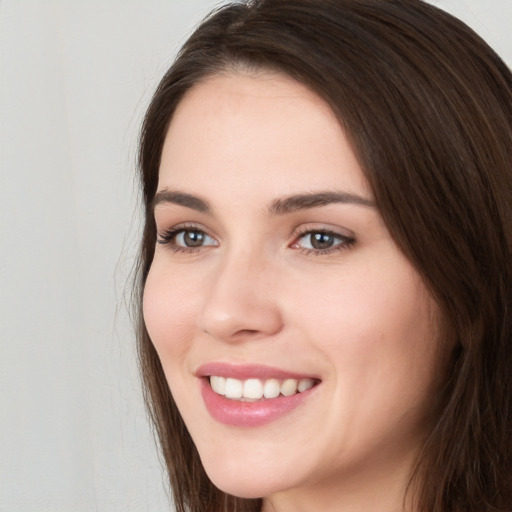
321	241
193	238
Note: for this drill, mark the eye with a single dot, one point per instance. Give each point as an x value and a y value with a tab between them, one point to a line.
191	238
186	239
322	241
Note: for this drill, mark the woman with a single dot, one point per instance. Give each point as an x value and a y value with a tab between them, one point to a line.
325	268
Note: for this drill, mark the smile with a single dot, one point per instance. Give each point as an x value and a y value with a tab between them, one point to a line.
252	390
252	395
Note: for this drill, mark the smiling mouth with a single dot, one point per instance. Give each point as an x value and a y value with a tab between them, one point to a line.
253	395
254	390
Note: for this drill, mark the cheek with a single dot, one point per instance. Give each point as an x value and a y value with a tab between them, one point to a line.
169	309
376	323
170	305
377	330
364	297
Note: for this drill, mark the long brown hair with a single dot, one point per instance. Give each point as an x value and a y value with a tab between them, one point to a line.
427	106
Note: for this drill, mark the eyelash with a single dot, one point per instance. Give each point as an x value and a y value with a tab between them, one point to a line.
345	242
169	238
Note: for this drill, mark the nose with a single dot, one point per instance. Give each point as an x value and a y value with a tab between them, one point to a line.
241	301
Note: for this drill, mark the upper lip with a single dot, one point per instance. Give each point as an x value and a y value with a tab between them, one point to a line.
248	371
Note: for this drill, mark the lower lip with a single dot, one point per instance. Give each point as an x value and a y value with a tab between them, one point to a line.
249	414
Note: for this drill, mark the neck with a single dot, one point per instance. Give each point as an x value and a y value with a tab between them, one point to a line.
350	493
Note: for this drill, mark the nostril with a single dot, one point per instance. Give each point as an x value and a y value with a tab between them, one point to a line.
239	326
247	332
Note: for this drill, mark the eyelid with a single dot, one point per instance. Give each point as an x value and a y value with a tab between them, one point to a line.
168	236
315	227
347	239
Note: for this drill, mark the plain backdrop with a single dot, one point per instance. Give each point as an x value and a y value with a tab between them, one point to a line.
75	76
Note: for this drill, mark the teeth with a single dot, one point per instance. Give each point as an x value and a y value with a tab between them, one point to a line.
289	387
271	388
234	388
304	385
218	384
255	389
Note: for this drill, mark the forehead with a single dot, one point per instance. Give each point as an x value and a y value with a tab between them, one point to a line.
256	87
269	126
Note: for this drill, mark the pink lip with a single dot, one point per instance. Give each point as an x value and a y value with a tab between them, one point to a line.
248	414
248	371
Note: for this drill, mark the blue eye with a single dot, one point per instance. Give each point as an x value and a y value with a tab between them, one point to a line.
321	242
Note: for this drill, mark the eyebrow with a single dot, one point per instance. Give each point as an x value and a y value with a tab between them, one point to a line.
316	199
279	206
182	199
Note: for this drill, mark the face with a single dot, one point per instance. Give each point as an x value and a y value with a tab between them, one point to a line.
297	340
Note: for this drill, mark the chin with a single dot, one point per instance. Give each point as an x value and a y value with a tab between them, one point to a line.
243	483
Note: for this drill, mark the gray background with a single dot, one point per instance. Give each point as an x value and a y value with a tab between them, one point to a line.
75	76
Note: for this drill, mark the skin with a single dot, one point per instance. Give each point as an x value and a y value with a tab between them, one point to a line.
357	316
